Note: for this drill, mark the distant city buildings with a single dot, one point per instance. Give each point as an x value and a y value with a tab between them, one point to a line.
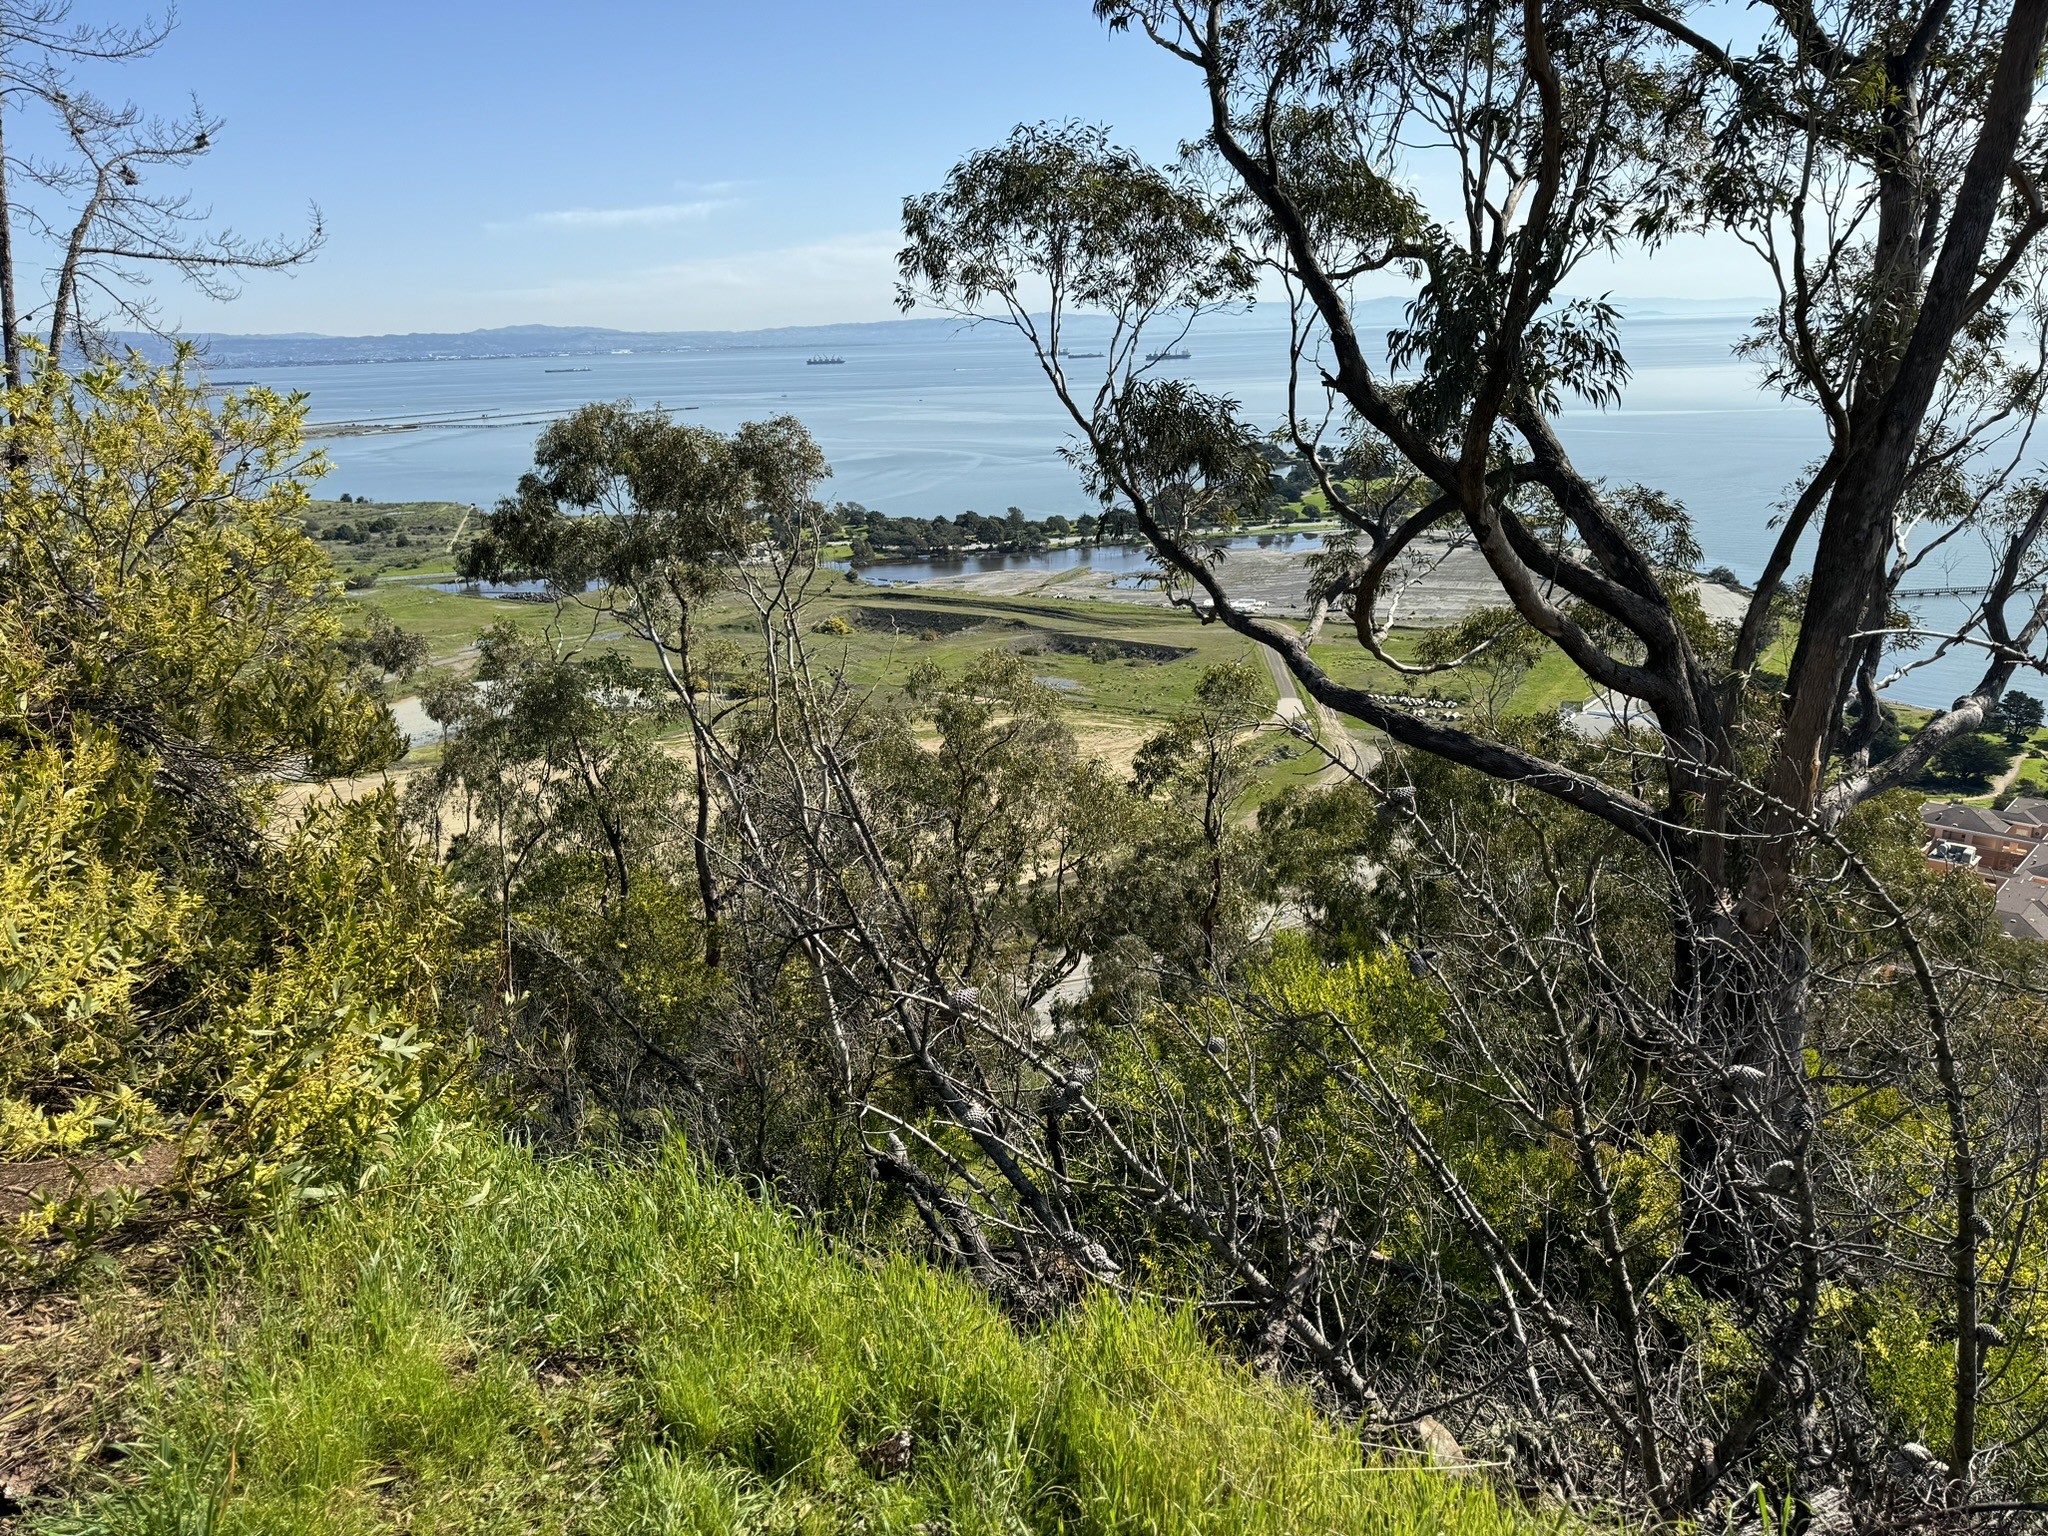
2006	848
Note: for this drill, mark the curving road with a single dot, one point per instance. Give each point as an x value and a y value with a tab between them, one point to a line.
1352	757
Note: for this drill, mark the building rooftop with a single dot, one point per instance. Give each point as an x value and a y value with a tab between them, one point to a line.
1957	817
2023	909
2031	809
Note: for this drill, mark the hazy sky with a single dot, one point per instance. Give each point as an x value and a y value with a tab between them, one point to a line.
648	164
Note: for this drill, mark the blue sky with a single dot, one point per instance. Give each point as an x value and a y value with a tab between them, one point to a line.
635	164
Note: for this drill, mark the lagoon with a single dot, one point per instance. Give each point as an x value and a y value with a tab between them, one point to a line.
920	423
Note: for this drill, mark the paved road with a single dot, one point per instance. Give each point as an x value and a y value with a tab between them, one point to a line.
1352	756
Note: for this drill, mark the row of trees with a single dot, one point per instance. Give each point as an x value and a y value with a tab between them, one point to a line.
875	535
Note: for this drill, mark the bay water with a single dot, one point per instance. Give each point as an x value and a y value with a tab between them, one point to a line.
920	422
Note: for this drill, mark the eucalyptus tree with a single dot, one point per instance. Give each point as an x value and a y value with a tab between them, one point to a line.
1203	765
1881	165
645	521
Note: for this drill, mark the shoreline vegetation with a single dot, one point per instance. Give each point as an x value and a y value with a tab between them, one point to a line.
398	556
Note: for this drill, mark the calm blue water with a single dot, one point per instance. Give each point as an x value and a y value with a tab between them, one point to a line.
918	425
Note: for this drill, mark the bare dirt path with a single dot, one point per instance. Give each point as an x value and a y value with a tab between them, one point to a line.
2011	776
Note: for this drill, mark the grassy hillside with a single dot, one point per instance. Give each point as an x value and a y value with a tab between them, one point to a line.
496	1344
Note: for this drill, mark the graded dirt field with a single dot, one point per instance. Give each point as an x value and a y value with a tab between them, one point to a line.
1438	582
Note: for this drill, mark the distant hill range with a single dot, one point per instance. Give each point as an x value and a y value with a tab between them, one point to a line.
305	348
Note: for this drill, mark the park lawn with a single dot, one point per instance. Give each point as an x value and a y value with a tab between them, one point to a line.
450	621
1552	682
1135	663
1122	670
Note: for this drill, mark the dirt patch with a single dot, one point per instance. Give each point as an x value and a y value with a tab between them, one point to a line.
68	1367
912	621
1115	745
294	799
1104	647
57	1376
23	1186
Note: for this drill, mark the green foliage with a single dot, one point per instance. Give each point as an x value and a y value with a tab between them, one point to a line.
631	498
81	936
1317	848
497	1344
1061	199
2016	717
1971	759
241	1000
271	1034
316	1012
210	637
368	539
271	1031
553	803
1189	884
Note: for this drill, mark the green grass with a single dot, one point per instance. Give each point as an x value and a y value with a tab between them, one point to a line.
1112	700
499	1344
388	537
450	621
1132	690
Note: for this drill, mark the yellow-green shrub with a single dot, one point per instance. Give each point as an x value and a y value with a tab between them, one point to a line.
80	938
247	999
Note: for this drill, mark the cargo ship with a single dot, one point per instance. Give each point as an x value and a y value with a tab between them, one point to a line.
822	362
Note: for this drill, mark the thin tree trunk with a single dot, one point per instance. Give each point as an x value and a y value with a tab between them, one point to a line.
707	882
9	317
1746	1000
67	275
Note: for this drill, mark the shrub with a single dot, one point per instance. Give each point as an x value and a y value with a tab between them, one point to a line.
1972	759
244	998
269	1033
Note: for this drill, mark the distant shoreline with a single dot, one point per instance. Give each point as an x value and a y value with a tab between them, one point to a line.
542	342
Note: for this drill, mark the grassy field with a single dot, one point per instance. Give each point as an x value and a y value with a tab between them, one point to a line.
1122	668
496	1344
370	539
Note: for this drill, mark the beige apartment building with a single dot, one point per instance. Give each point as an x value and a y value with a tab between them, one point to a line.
2006	848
